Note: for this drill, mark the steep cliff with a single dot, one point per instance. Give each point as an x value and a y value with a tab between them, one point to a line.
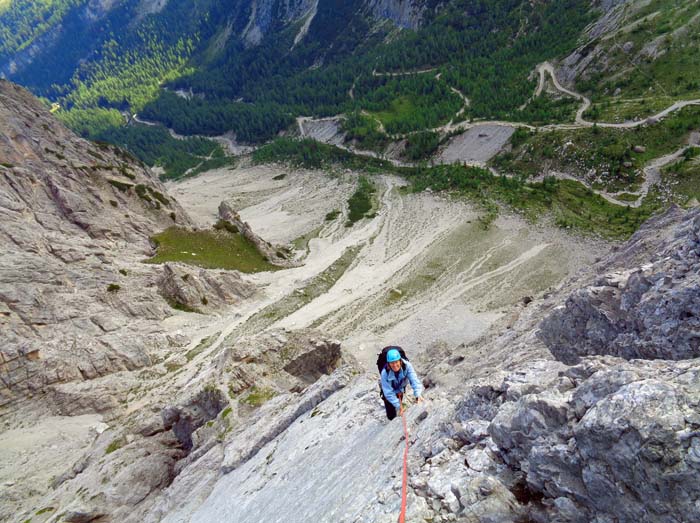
75	300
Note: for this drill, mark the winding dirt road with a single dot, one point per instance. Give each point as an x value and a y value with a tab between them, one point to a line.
547	68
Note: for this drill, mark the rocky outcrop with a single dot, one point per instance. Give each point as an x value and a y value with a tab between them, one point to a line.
404	13
245	398
606	439
202	290
76	220
649	312
602	439
264	14
272	424
231	221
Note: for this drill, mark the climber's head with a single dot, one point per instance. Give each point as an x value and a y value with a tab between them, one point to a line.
393	358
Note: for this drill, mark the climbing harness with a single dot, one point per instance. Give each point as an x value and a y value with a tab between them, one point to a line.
402	516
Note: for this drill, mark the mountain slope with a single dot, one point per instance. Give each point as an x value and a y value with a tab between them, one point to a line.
300	58
77	218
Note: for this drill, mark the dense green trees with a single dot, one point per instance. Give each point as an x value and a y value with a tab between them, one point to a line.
484	48
152	145
364	131
24	22
421	145
251	123
407	103
312	154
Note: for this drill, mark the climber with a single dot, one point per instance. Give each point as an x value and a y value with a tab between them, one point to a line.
395	370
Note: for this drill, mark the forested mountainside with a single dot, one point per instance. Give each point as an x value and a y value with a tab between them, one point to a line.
355	156
400	79
253	66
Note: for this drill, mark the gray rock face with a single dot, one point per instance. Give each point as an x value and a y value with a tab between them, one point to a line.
76	303
280	425
202	290
404	13
157	459
264	13
619	444
603	440
649	312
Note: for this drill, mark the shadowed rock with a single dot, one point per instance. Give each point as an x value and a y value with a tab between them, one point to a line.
648	312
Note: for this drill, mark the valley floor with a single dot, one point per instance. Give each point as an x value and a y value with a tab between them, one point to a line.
423	271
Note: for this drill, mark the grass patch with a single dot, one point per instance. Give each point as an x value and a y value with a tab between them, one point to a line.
210	249
302	242
225	412
159	196
113	287
8	165
201	347
627	197
172	366
142	192
332	215
115	445
44	511
121	186
407	103
183	307
364	131
258	396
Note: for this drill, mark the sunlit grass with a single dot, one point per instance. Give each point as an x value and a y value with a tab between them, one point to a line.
210	249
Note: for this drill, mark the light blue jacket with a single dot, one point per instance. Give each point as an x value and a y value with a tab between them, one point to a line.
394	383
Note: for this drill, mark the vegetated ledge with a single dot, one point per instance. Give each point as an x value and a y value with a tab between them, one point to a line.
209	249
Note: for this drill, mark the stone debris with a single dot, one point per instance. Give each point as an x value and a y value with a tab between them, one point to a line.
581	407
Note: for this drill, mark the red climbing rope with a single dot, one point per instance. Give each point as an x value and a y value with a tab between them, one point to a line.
404	485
